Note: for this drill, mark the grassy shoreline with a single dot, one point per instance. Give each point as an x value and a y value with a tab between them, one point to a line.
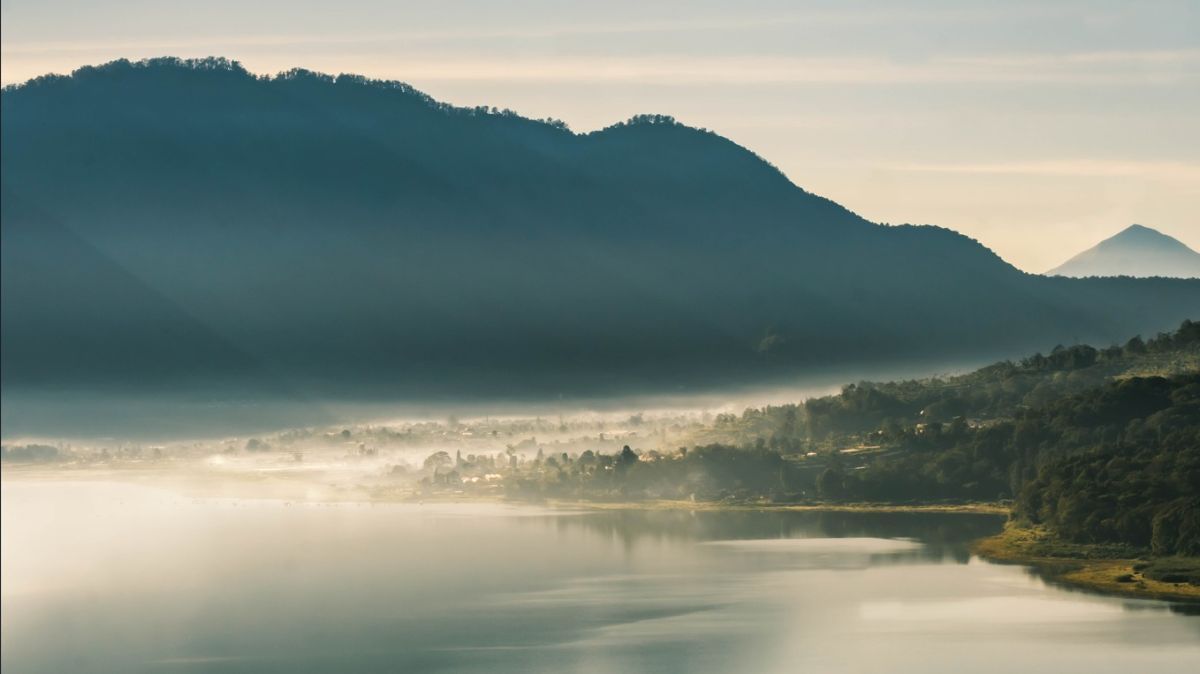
1094	568
669	504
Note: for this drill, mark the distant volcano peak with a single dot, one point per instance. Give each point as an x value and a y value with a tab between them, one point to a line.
1136	250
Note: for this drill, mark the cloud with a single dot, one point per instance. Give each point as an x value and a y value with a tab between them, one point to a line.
1099	168
1105	68
1114	68
1158	68
532	30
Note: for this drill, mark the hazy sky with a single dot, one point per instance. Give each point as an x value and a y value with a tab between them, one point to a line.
1038	128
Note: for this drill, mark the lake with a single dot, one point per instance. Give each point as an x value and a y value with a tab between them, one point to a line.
112	577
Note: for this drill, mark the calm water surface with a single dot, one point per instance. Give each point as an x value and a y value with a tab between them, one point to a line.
103	577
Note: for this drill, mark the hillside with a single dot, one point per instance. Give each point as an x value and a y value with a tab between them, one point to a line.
1134	251
1101	446
865	412
188	224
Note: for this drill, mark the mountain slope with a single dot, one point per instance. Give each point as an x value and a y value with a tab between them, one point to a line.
1135	251
356	238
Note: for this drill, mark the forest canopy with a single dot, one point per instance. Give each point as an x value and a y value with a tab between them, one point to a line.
1093	443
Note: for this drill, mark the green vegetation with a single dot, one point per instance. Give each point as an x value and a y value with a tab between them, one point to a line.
1111	568
995	392
1118	464
1094	445
1171	570
711	472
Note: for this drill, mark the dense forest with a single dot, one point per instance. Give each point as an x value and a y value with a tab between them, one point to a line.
311	237
1102	445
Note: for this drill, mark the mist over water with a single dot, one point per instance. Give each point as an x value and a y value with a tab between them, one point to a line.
349	344
114	577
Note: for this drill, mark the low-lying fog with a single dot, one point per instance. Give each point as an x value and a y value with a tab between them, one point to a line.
393	542
388	460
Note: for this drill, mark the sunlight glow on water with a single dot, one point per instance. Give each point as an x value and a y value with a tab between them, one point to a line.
107	577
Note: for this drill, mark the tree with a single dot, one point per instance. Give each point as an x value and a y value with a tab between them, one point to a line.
627	458
437	461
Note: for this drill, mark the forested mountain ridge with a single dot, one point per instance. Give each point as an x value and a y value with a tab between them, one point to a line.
348	237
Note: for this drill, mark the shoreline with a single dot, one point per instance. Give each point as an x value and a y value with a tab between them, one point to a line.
1080	566
1114	576
208	482
715	506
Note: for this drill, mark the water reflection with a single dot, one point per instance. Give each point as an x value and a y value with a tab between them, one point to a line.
115	578
941	536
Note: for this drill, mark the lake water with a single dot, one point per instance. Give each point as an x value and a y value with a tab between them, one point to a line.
106	577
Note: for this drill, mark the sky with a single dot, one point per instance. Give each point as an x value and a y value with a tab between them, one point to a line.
1038	128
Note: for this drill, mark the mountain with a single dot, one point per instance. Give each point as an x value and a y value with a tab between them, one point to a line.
1135	251
185	224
